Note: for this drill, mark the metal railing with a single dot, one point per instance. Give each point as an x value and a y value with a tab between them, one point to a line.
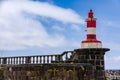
38	59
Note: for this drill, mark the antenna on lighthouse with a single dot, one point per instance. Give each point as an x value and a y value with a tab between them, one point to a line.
91	41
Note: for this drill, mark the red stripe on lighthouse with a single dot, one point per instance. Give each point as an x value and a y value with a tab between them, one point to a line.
91	23
91	36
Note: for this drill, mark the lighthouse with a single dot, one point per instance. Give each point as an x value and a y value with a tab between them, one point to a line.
91	41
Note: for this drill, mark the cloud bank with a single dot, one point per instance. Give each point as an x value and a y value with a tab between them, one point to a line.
20	31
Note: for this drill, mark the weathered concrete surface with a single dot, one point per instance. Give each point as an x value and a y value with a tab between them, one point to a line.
56	71
83	64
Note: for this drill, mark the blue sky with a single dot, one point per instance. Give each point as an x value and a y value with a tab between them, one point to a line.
37	27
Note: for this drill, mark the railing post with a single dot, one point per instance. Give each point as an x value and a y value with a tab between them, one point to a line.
56	58
8	60
40	59
11	60
22	60
66	55
28	60
33	60
51	58
60	58
47	59
19	60
43	59
0	61
4	61
36	59
16	60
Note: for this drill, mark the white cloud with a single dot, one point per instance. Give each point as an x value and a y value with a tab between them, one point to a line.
109	23
26	33
18	31
43	9
112	57
75	27
112	62
112	45
58	28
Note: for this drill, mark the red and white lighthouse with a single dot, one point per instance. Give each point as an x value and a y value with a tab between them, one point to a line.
91	41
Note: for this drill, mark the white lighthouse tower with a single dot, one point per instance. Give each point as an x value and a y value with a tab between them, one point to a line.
91	41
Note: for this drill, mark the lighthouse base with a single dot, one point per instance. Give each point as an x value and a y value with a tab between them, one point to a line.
91	45
94	56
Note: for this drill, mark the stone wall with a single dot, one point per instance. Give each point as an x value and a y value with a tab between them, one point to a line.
68	71
82	64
